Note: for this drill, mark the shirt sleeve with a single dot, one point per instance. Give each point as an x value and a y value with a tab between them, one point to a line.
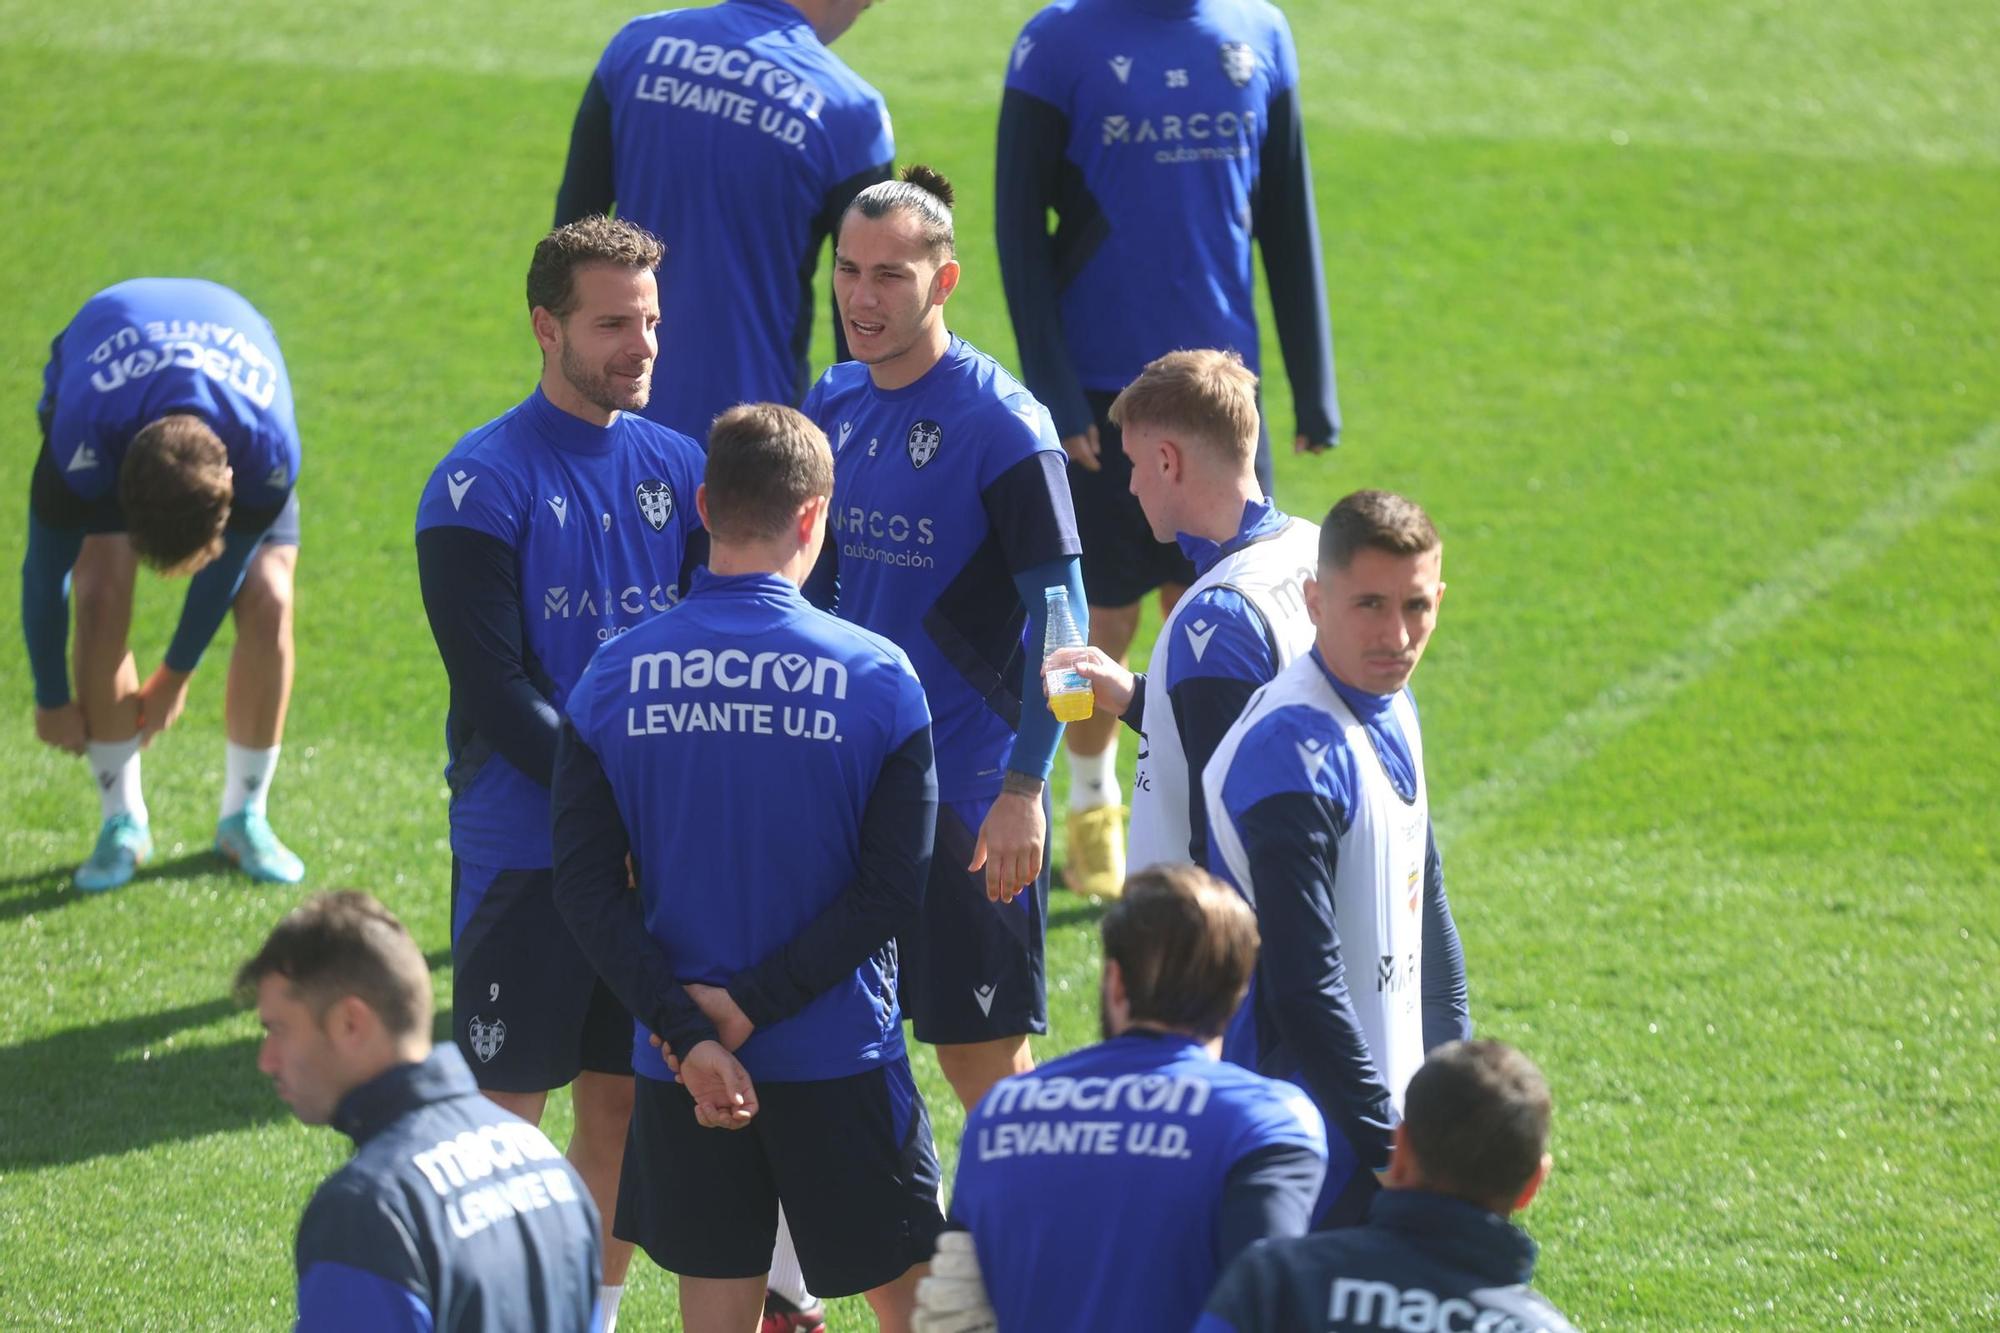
1447	1012
45	570
1029	510
1286	223
1218	657
209	595
897	829
1269	1192
1030	156
359	1263
589	184
1290	842
472	596
595	899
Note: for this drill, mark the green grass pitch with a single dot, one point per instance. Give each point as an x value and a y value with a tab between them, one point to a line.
1682	320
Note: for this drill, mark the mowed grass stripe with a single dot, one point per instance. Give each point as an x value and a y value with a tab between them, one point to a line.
1761	610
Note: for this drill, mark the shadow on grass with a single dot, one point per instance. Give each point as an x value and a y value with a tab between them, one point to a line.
117	1087
52	888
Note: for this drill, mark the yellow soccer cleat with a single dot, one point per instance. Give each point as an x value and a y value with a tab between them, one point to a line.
1095	863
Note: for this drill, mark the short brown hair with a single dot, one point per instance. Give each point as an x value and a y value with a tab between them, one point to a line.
1477	1115
1377	520
593	240
764	461
345	943
1207	395
175	489
1185	944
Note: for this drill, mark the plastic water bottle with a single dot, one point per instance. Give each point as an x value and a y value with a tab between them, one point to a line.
1069	693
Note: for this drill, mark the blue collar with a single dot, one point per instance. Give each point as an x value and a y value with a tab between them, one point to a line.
956	349
744	587
375	1105
571	434
1365	706
1261	519
1461	1234
778	9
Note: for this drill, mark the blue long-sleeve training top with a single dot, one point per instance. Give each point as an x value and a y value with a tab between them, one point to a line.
768	767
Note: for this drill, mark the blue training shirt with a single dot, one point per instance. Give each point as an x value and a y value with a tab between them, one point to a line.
737	137
742	737
151	347
1145	1125
943	490
599	520
1166	135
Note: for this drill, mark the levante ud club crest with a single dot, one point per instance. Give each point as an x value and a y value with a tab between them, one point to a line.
487	1038
925	437
656	503
1239	62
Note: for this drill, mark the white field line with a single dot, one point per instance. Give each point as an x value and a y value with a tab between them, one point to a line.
1760	611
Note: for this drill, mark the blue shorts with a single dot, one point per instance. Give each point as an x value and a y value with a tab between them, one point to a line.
851	1159
973	969
1122	560
527	1008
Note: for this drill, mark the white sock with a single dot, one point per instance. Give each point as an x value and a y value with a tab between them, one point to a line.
607	1305
115	765
246	777
1093	778
786	1278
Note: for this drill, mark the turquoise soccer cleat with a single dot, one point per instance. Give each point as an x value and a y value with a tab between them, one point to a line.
123	844
246	839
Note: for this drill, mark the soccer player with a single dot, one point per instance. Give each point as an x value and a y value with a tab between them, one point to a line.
767	767
560	524
1190	429
1187	1159
1164	137
732	133
168	440
1437	1250
953	521
452	1213
1318	813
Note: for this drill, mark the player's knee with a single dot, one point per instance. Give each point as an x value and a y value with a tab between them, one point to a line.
603	1105
264	603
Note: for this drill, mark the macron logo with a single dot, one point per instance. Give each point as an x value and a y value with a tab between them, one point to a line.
1122	67
1198	635
846	429
84	459
984	994
1313	755
458	484
561	506
1021	49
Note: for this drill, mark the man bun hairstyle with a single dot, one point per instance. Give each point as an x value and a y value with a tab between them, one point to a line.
922	192
175	488
1185	944
1377	520
593	240
345	943
1207	396
1477	1115
764	461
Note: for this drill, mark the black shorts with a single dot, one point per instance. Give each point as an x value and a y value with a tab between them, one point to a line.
851	1159
973	969
59	506
1122	561
528	1009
